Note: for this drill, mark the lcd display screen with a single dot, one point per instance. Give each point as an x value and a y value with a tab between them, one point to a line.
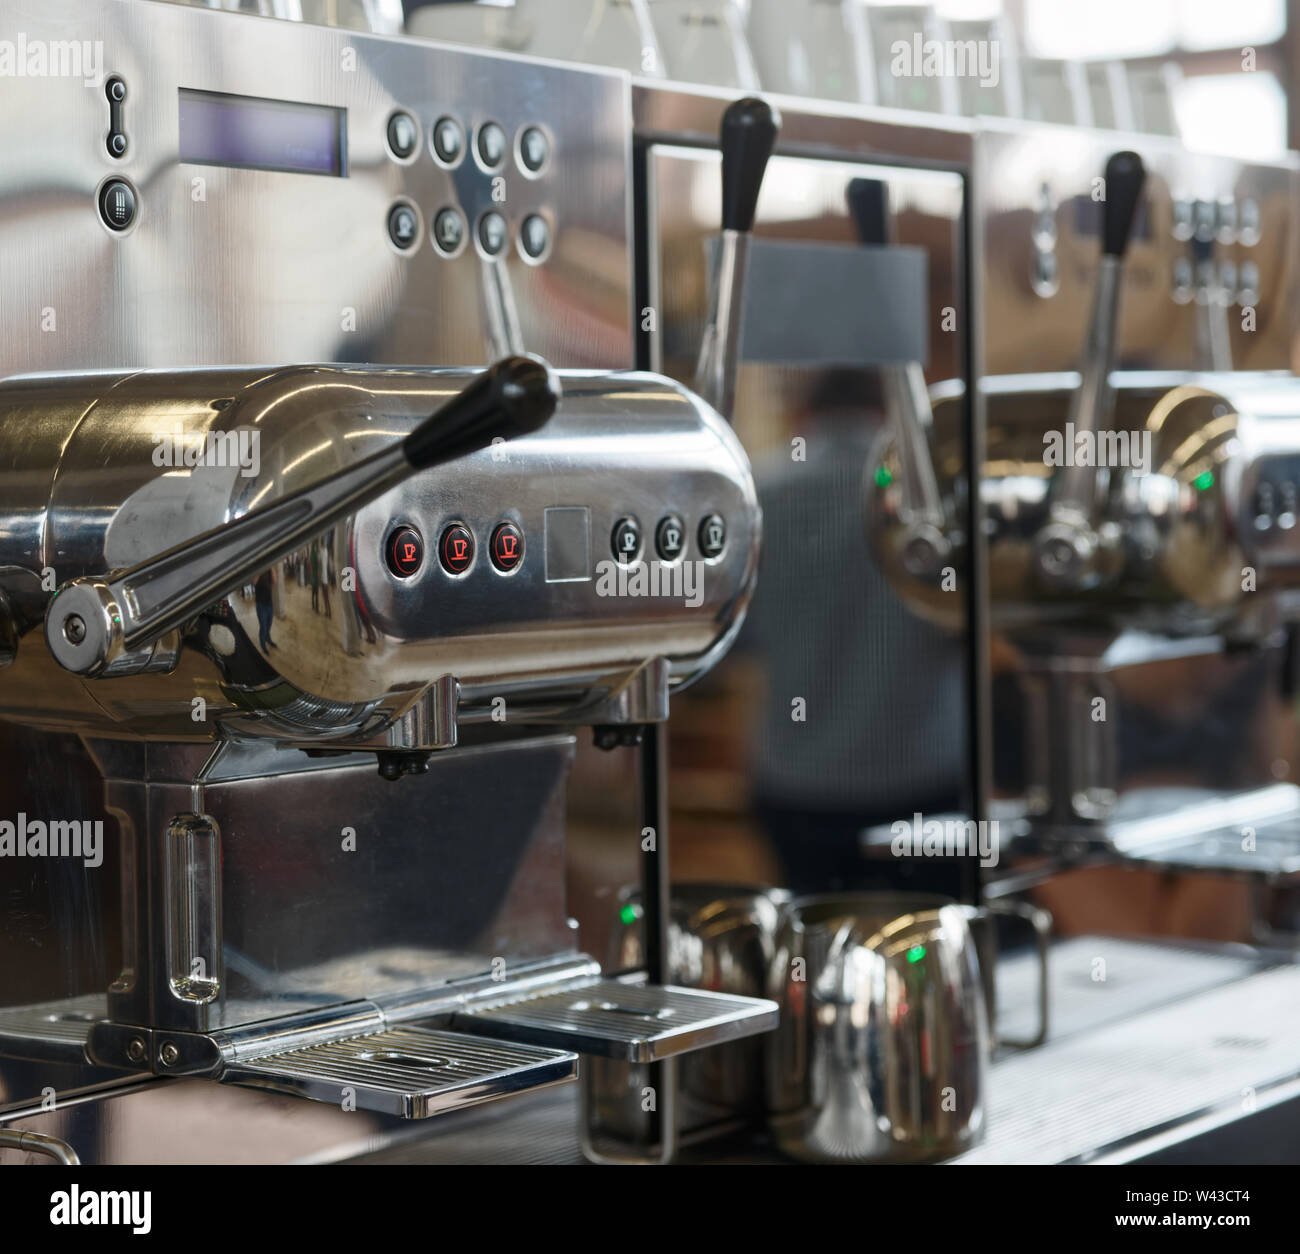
255	134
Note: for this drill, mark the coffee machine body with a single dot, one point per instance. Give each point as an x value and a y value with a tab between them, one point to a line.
248	263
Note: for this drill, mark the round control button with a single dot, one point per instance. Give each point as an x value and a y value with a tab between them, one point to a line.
403	226
1227	221
117	204
534	237
115	90
626	540
492	233
456	549
1248	222
448	231
1248	276
403	135
491	145
534	149
507	547
448	141
713	535
404	552
1205	220
670	537
117	144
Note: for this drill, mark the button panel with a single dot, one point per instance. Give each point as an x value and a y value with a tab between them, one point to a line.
565	542
449	138
1206	226
1270	513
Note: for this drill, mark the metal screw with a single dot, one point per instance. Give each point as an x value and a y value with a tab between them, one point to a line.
135	1049
169	1054
74	629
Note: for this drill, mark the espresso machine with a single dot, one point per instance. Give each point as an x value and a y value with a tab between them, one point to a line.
327	483
1136	496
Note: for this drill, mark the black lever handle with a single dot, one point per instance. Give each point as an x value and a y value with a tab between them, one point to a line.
514	397
868	202
749	129
1125	176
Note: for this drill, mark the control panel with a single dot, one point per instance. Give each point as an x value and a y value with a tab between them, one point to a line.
1276	499
1211	268
218	189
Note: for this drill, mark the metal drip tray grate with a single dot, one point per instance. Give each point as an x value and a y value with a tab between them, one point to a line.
410	1072
634	1022
53	1031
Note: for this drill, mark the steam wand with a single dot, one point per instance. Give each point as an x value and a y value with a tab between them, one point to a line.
1066	548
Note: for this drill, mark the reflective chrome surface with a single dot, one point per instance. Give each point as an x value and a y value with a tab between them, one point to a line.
825	625
409	1072
1174	539
881	1052
1038	217
720	939
359	642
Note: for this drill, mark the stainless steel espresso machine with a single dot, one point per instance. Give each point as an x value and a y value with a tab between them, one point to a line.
301	606
1136	498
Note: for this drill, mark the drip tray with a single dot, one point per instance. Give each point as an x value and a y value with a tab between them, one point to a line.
409	1072
52	1031
633	1022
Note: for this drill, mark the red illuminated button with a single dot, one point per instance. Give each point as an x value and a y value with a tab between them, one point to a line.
507	546
405	552
456	549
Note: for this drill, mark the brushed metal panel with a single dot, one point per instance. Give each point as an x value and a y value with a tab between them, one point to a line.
225	266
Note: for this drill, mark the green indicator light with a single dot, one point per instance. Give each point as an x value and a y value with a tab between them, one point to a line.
883	477
629	915
1204	480
916	953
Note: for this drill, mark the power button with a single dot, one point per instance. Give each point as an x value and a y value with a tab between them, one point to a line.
117	204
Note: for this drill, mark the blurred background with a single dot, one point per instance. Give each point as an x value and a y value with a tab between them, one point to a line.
1181	60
